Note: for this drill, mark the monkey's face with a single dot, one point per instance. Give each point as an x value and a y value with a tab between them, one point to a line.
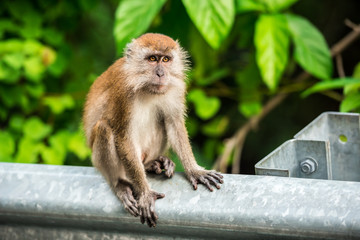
159	72
155	67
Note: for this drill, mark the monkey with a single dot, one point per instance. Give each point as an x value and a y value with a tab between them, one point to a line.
134	112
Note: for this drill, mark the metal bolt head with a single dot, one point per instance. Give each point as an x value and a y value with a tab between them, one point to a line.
308	166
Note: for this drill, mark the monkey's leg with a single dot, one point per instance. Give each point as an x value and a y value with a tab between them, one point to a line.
160	164
135	171
179	141
106	160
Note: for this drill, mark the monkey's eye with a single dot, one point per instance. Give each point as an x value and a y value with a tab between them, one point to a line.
166	59
152	58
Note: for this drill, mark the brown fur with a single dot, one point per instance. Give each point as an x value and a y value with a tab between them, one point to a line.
132	115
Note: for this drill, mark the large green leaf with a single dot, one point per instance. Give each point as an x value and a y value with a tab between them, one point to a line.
272	46
328	85
278	5
249	5
263	5
350	102
132	18
311	50
213	18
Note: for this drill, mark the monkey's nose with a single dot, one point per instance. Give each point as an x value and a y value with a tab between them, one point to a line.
160	73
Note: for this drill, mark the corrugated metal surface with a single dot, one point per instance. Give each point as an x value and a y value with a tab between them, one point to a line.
62	202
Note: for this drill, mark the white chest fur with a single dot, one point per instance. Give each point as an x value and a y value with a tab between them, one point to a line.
148	133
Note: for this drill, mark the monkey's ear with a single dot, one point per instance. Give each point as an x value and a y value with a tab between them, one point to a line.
177	43
128	49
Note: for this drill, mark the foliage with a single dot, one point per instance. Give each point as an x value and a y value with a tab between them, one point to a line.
40	98
242	51
273	39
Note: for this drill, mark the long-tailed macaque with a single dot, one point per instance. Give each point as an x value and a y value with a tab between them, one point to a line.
133	113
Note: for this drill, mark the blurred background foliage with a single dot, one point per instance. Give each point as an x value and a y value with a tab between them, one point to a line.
243	52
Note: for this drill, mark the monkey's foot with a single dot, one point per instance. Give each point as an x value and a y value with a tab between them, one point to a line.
127	197
205	177
160	164
147	207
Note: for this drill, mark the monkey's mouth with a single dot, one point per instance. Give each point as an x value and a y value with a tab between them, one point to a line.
158	87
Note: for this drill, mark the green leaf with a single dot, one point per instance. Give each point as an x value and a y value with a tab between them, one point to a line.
250	108
250	5
32	25
311	50
214	19
7	25
7	144
77	145
11	45
216	127
58	104
35	129
35	90
278	5
8	74
352	88
350	102
272	46
52	156
205	107
34	68
53	37
28	151
56	153
11	96
14	60
32	47
132	18
61	62
328	85
16	123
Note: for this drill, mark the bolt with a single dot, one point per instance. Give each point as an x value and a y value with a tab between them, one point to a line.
308	166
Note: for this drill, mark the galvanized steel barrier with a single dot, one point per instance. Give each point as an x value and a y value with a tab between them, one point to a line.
63	202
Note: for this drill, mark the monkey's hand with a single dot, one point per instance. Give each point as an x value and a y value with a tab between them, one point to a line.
146	205
160	164
205	177
127	197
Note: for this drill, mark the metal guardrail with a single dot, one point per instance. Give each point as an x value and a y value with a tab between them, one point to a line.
63	202
328	148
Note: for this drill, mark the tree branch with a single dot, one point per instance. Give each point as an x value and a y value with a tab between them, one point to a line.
238	139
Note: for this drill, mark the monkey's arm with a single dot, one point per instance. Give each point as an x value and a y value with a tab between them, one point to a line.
179	141
136	173
125	174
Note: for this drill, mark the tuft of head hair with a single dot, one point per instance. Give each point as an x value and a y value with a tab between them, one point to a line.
157	42
154	42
